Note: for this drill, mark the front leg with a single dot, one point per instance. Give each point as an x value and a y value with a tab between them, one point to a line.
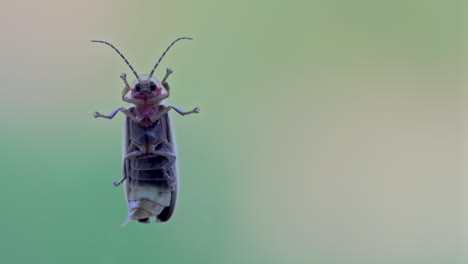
121	109
127	88
169	71
133	101
156	99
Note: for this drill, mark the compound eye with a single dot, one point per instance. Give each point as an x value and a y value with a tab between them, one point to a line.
137	87
152	86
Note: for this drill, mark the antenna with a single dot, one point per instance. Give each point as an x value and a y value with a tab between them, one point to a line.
121	55
164	54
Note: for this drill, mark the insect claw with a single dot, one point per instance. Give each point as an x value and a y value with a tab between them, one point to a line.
196	110
117	183
123	76
169	71
96	114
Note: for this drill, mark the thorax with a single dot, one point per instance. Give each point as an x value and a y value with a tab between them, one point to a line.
146	111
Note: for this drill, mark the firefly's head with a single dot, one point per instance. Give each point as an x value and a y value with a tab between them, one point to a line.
145	86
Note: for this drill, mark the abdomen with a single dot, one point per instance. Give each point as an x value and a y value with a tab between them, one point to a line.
152	181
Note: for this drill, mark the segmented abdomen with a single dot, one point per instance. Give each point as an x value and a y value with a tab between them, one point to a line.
150	184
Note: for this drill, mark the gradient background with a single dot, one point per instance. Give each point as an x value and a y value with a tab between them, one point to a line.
330	131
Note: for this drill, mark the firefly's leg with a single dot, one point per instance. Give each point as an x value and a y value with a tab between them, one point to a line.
152	150
123	76
169	71
154	100
153	119
124	174
130	155
121	109
196	110
127	88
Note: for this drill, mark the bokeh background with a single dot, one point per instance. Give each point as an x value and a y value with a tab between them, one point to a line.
330	131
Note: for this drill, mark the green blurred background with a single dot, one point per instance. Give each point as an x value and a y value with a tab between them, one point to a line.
330	131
